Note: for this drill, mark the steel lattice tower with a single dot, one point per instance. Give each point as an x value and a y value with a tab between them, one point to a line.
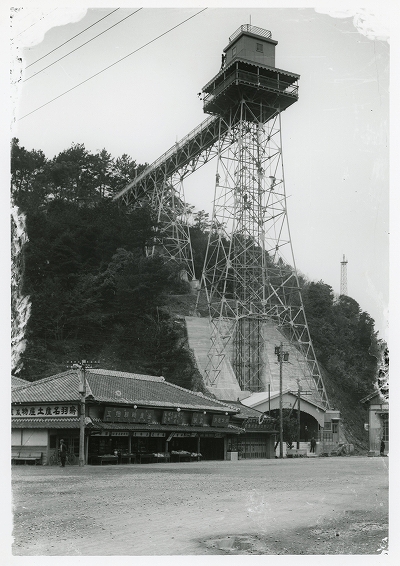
249	274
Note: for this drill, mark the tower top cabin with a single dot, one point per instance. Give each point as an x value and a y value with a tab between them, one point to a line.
253	44
248	77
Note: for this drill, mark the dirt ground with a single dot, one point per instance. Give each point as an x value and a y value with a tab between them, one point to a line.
319	506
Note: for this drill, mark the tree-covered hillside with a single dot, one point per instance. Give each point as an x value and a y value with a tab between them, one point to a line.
93	292
95	295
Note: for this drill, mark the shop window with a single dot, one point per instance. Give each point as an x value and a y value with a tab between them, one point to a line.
260	47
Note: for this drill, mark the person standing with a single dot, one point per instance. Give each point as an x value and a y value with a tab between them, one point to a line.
313	444
382	447
63	453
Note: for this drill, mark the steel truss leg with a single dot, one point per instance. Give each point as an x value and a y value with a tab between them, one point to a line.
172	238
249	273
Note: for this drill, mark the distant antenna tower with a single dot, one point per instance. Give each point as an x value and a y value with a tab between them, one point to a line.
343	276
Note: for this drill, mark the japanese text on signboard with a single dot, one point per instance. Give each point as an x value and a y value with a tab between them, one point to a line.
198	419
123	415
45	411
220	420
172	417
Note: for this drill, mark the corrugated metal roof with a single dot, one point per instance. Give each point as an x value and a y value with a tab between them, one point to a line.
109	386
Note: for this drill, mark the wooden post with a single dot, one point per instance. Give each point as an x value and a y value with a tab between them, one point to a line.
298	417
82	392
87	450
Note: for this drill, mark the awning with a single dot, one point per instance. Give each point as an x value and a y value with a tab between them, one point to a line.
168	429
45	423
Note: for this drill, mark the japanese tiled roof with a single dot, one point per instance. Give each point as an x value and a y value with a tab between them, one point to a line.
18	382
115	387
54	389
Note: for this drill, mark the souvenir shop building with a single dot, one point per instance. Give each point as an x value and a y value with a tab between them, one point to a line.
131	418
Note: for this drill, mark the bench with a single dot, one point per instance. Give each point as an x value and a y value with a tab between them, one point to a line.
35	457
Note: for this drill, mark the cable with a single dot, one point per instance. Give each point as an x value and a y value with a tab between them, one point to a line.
34	23
112	65
76	49
68	40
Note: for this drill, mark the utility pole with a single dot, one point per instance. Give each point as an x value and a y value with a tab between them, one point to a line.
280	401
282	356
81	369
298	414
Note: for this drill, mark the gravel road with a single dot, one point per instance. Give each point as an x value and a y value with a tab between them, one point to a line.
291	506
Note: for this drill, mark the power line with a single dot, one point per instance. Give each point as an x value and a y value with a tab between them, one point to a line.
76	49
68	40
112	65
34	23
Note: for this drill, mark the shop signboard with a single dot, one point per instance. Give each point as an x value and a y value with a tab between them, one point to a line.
128	415
99	433
254	424
120	433
198	419
145	434
172	417
157	434
184	434
220	420
59	410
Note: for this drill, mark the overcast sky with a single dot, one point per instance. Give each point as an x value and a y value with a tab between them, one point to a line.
335	138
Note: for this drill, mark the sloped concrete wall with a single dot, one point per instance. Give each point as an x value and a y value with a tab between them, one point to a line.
294	372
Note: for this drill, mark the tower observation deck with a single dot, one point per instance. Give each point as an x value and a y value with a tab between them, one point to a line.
248	73
249	275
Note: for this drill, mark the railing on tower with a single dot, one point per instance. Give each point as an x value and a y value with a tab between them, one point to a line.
251	29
